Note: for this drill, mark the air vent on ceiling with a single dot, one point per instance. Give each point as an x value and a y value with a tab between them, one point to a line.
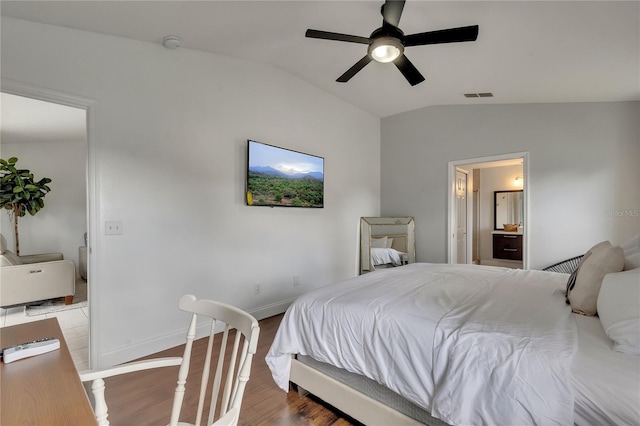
479	95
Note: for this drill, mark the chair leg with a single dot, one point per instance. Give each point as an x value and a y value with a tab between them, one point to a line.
68	300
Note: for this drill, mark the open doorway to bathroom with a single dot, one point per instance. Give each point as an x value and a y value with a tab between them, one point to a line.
473	217
50	139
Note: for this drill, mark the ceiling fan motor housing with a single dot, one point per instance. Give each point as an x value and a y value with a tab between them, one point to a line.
387	43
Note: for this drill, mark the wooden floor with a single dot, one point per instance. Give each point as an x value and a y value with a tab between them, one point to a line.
145	398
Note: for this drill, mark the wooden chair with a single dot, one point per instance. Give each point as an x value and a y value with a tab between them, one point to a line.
233	374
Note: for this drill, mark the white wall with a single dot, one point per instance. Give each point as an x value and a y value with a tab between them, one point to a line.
583	163
60	226
169	140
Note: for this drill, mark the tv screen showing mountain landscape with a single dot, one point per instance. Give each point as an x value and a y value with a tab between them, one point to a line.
283	178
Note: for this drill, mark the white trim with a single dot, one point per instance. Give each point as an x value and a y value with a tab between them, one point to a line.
451	233
18	88
35	92
468	256
153	345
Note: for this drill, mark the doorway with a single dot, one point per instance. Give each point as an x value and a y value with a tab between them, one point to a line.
38	137
471	241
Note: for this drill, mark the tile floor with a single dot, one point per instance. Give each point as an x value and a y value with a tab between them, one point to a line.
74	324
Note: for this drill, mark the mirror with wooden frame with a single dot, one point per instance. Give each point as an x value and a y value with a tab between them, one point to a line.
392	232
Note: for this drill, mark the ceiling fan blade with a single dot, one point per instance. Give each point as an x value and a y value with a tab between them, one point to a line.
325	35
409	71
391	11
450	35
354	69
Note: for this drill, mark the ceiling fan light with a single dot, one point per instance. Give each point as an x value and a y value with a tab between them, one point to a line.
385	53
385	49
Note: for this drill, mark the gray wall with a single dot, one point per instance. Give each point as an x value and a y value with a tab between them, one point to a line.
583	166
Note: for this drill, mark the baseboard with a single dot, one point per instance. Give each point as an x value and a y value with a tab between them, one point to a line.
271	310
161	343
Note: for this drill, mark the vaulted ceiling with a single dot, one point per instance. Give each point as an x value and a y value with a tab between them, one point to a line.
526	51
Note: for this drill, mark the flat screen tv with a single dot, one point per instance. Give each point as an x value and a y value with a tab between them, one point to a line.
279	177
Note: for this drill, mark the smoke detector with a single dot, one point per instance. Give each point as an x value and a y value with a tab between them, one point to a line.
171	42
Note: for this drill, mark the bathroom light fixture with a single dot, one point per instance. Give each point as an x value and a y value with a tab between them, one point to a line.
518	181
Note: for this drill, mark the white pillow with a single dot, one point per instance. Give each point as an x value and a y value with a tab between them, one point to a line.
632	253
599	261
389	242
379	242
619	310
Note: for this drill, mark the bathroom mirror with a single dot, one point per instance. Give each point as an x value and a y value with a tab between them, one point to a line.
391	232
508	207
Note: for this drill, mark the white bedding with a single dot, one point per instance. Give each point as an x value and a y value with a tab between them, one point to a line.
470	344
600	374
381	256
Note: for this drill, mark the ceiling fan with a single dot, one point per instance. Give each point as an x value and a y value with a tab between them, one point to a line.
387	43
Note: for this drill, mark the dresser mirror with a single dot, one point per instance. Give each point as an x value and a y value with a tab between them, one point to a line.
392	232
508	208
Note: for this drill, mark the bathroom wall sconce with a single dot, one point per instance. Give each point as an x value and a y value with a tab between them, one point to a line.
518	181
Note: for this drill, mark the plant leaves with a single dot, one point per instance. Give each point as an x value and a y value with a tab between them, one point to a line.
19	191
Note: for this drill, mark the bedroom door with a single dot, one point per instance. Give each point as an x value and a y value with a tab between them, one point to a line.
461	215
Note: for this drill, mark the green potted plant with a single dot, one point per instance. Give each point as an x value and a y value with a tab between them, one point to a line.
20	193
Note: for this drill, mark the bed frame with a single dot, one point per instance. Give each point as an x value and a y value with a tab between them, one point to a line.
399	241
350	401
357	405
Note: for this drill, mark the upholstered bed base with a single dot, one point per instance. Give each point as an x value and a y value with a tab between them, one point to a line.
370	404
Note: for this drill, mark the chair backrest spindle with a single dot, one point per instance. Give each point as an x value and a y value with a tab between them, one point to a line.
183	372
204	380
224	406
246	330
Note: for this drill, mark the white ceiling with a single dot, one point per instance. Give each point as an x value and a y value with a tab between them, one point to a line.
526	52
30	120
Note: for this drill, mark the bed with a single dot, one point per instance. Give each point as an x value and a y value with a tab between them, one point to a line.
388	251
455	344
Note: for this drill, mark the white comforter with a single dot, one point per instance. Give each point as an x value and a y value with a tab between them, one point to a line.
470	344
381	256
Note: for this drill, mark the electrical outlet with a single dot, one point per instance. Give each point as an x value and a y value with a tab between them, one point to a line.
296	280
257	289
113	227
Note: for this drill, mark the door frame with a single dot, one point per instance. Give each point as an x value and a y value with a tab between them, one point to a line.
18	88
454	217
451	237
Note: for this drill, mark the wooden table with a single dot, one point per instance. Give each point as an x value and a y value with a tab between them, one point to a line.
44	389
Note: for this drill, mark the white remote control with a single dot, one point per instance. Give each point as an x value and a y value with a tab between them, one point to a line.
28	349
